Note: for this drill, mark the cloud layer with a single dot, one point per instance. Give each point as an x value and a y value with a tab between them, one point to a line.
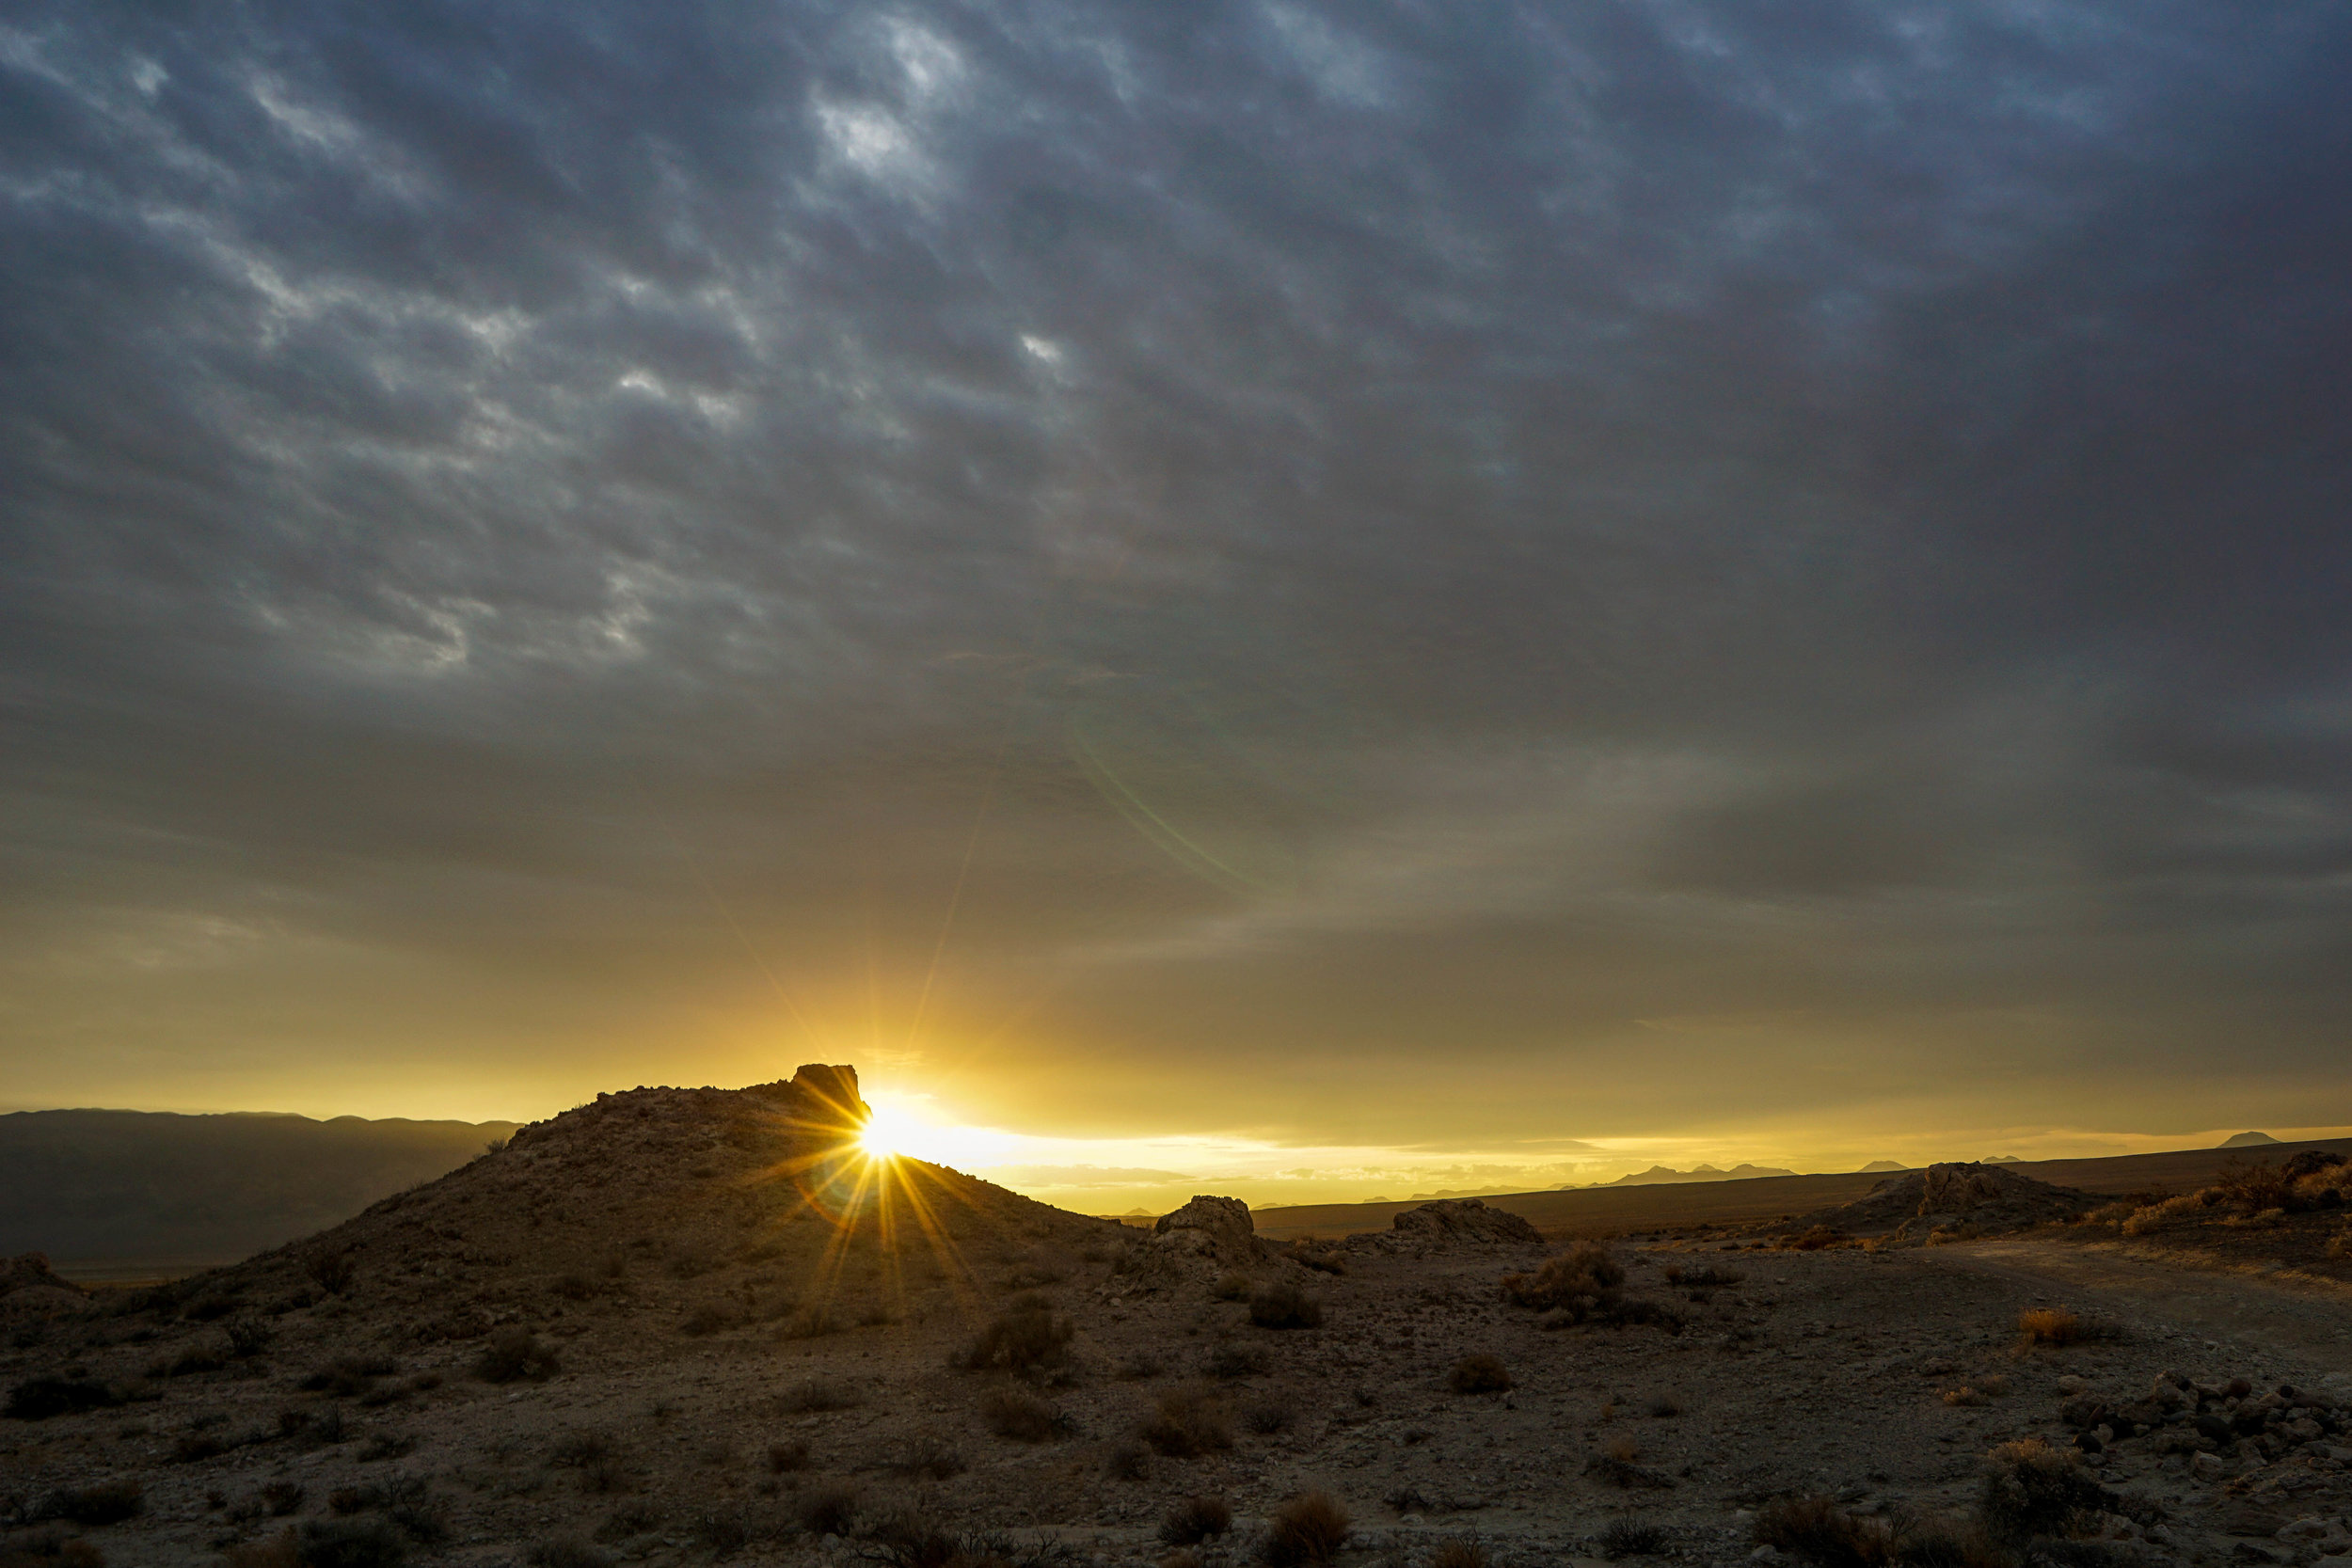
1371	575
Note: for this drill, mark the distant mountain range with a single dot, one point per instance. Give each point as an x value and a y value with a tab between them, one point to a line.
2245	1140
152	1187
1658	1175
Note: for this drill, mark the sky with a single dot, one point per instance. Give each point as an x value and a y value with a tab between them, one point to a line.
1415	596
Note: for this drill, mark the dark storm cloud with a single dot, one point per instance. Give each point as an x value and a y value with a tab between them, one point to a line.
1329	536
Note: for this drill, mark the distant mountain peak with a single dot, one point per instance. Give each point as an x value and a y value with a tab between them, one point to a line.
2247	1140
2001	1160
1875	1167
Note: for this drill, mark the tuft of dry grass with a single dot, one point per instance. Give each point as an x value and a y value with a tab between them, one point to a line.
828	1510
1195	1520
2057	1326
1025	1335
1233	1285
1285	1303
1017	1414
1458	1552
812	1395
1481	1374
1189	1421
784	1458
1627	1536
1270	1416
1306	1533
2034	1489
1817	1530
1584	1277
515	1353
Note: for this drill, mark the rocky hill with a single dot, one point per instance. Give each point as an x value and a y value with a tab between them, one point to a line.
670	1194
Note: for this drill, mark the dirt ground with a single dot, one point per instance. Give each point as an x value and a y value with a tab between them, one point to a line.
720	1382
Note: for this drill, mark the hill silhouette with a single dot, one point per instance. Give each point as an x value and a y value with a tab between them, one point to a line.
99	1186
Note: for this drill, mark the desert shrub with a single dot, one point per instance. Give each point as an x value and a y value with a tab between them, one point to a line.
1270	1416
248	1337
1457	1552
604	1476
876	1314
1233	1286
1322	1259
37	1399
828	1510
1025	1335
814	1394
2049	1325
276	1551
808	1323
1577	1282
1285	1304
1817	1237
572	1285
1189	1421
349	1544
2255	1187
283	1498
1142	1363
566	1551
2183	1210
928	1455
1626	1536
722	1531
784	1458
1481	1374
1662	1408
622	1522
1020	1414
2034	1489
1966	1395
385	1445
707	1319
1231	1362
329	1270
107	1503
192	1448
1195	1520
1618	1465
1306	1530
581	1448
514	1354
1817	1530
1125	1462
1710	1278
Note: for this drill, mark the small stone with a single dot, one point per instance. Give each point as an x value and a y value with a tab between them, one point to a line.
2070	1383
2207	1466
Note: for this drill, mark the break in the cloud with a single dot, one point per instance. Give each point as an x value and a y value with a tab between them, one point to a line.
1349	577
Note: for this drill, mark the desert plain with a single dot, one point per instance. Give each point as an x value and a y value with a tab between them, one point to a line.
693	1325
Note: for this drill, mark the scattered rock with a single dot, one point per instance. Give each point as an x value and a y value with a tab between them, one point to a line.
1447	1225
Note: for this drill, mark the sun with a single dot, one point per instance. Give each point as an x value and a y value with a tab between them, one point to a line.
886	1133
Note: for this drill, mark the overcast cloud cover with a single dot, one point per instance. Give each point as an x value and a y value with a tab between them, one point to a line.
1385	574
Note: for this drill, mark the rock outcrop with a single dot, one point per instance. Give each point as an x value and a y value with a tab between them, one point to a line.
1219	1229
1973	1195
1456	1223
29	1291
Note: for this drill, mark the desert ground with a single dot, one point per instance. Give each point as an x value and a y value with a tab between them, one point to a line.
689	1325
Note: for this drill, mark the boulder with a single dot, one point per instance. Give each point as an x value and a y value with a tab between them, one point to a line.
1215	1229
